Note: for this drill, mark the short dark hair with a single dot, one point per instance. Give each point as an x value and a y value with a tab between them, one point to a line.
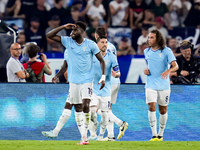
81	24
186	44
100	31
32	50
101	37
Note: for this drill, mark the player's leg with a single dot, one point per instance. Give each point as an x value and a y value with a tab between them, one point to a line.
93	118
61	122
104	105
86	95
151	100
163	101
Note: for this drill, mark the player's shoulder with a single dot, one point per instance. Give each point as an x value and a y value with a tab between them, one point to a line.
167	49
146	50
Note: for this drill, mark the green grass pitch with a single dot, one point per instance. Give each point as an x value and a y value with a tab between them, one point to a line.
96	145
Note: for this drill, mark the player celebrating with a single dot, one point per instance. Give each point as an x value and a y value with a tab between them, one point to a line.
102	97
157	86
79	62
115	82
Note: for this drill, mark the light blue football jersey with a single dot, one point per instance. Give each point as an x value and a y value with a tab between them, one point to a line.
79	59
158	62
111	48
111	62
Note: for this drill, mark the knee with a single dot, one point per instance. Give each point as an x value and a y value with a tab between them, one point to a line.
86	108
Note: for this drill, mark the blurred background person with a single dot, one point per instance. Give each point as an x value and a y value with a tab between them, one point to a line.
125	48
142	39
136	11
14	9
39	68
160	27
189	66
91	30
149	18
173	44
54	23
97	10
119	10
15	70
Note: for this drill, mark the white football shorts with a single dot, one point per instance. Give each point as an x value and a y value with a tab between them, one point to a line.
102	103
114	92
78	92
160	97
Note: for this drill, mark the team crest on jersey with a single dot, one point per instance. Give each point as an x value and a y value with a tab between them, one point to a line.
160	54
84	48
106	62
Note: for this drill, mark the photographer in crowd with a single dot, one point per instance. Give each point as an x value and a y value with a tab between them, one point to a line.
189	66
39	68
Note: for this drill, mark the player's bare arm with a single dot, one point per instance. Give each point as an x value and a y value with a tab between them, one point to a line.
174	67
116	74
103	68
60	72
52	34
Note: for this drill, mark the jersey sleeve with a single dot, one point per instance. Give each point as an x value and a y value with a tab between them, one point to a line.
115	65
94	48
65	41
170	55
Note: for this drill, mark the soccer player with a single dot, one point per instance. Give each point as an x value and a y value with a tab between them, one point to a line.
102	97
79	62
158	58
115	82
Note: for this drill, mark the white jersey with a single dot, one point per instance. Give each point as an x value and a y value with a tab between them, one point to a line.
12	67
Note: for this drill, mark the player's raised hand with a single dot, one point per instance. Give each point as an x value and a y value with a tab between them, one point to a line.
69	26
55	79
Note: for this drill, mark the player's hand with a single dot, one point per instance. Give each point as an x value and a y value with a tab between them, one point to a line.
165	74
55	79
69	26
146	71
102	81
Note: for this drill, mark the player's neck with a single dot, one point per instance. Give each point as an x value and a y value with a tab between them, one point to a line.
103	53
155	48
79	41
15	57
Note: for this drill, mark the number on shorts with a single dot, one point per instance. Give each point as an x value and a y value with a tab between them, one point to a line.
166	99
90	91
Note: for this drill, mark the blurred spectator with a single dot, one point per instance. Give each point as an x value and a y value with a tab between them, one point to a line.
34	33
160	9
119	12
184	10
82	6
193	17
91	30
142	39
160	26
14	9
143	46
21	39
124	48
197	52
74	16
40	12
173	44
174	7
136	10
15	70
54	23
2	7
58	10
149	18
97	10
189	66
39	68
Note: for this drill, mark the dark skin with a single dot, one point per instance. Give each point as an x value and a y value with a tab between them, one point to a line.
77	35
